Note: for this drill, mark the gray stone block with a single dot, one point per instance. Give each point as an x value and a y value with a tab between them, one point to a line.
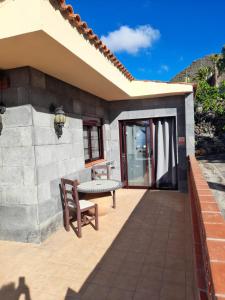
44	136
20	195
75	123
16	137
47	173
45	154
10	96
42	118
19	223
0	157
29	176
42	98
49	208
51	225
78	150
18	156
55	187
23	95
43	192
37	78
11	176
63	152
77	107
77	135
18	116
19	77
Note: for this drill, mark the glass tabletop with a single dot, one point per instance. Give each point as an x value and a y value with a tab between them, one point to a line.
99	186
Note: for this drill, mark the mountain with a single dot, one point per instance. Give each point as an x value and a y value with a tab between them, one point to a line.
193	68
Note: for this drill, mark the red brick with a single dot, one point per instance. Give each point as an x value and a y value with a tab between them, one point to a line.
218	276
216	231
213	207
207	198
216	250
212	218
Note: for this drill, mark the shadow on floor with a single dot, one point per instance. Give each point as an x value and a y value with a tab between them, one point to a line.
151	258
216	186
11	292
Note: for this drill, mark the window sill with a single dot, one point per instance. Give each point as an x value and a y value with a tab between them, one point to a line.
90	164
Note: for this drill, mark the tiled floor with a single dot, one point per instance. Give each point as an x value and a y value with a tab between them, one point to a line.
142	251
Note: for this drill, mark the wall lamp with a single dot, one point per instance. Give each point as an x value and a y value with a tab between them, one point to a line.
59	120
2	111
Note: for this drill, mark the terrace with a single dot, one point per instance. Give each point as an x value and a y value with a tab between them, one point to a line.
156	244
143	250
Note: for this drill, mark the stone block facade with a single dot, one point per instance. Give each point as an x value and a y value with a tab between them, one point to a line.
33	159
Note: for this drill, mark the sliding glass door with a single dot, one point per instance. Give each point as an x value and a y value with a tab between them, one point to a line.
149	153
136	153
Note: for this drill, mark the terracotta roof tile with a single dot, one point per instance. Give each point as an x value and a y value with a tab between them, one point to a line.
83	28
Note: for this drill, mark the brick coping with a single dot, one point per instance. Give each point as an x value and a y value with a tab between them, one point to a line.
208	234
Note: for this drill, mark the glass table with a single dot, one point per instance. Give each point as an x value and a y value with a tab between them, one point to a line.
100	186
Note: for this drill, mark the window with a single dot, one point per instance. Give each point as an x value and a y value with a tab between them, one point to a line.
93	141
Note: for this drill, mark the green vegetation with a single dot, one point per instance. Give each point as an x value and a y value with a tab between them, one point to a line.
211	94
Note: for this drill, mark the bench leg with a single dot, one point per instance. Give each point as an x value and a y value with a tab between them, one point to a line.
114	199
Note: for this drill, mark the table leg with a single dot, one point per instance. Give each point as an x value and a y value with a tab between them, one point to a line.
114	199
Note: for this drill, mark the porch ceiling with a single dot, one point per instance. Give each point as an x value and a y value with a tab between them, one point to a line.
37	35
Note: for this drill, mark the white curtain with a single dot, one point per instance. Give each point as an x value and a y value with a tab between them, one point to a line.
165	153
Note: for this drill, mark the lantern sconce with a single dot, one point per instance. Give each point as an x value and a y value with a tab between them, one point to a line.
59	120
2	111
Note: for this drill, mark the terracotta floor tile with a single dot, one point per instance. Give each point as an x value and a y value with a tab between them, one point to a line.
103	278
151	272
145	295
156	260
173	292
118	294
126	282
94	292
153	287
174	276
175	263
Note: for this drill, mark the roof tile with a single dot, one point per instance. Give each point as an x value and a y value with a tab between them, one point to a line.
83	28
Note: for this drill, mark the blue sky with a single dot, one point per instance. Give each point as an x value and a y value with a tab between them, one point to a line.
155	39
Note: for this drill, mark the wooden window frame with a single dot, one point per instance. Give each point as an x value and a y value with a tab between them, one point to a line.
90	124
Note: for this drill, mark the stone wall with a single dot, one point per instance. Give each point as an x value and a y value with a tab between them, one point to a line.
18	190
33	159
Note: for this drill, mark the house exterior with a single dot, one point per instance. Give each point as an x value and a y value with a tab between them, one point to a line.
50	58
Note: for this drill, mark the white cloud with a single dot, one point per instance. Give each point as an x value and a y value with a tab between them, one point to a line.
163	69
131	40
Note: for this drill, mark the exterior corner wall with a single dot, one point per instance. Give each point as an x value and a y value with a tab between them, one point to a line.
33	159
150	108
18	190
190	124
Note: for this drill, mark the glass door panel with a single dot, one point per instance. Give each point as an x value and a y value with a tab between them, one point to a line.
138	154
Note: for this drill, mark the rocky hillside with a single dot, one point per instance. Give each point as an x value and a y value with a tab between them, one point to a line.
191	70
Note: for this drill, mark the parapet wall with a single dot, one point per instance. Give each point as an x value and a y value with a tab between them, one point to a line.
208	235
